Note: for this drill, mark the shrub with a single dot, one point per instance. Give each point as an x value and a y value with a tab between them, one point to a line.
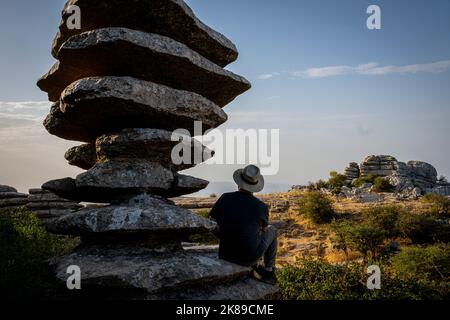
425	263
25	247
385	218
316	206
423	229
382	185
366	238
317	186
362	180
318	280
336	182
440	205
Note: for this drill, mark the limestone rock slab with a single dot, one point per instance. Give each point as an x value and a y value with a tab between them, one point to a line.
120	52
149	274
143	214
171	18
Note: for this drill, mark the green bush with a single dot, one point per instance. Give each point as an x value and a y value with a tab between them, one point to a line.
362	180
25	247
366	238
440	205
318	280
430	263
386	218
423	229
316	206
382	185
336	182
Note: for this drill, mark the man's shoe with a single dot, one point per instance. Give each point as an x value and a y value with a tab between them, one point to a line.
266	276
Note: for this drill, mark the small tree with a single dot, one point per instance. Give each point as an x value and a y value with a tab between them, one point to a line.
316	206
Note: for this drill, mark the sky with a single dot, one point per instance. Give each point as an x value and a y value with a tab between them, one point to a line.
336	90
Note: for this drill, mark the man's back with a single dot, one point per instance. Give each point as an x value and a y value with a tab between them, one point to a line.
241	217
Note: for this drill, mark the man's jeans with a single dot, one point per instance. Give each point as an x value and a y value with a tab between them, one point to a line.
268	247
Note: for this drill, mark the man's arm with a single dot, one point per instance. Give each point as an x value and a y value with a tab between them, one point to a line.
265	217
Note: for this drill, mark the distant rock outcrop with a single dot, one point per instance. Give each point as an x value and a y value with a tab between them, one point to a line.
410	179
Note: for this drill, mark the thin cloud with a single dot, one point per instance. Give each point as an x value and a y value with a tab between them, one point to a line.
372	68
267	76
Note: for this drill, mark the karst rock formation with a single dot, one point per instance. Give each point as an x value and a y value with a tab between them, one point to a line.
135	72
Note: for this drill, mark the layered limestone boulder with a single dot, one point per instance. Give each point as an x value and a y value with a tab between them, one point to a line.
352	171
423	174
123	84
120	52
47	205
382	165
172	18
10	198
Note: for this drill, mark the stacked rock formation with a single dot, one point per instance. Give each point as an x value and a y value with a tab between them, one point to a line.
352	171
382	165
49	206
135	72
11	199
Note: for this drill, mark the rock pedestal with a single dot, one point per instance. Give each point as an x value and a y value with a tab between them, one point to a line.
133	74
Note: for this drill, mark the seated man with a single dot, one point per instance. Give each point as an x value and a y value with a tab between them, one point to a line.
244	231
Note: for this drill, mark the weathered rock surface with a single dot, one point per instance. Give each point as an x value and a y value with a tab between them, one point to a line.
423	174
4	188
13	203
135	174
10	198
83	156
142	214
68	188
352	171
246	289
48	215
58	125
106	104
147	272
12	195
382	165
171	18
152	144
47	205
120	52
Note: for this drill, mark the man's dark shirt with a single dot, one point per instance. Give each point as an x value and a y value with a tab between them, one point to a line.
240	217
